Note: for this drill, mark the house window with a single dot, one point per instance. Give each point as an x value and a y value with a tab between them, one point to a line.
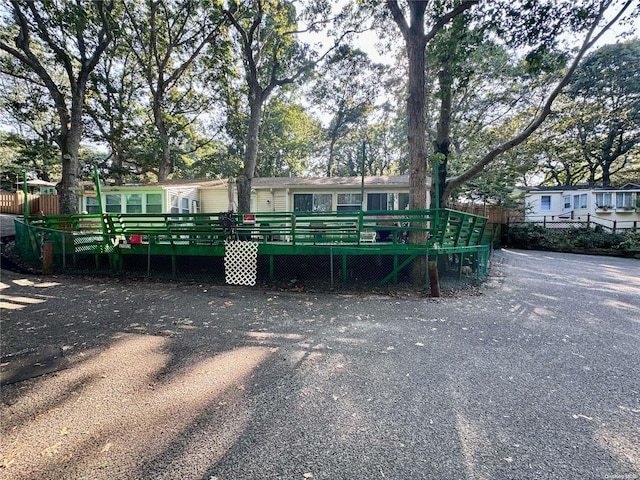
113	203
175	204
603	200
403	201
92	205
545	202
312	202
566	202
580	201
348	202
134	202
154	203
624	200
185	205
378	201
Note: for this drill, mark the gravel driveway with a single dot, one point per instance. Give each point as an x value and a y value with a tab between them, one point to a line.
535	377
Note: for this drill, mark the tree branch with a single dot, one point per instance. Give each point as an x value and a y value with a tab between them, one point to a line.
446	18
590	39
44	34
398	17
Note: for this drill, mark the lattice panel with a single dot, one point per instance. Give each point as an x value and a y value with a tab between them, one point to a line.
91	244
240	262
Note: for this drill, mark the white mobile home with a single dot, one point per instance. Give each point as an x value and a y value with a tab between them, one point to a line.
598	204
274	194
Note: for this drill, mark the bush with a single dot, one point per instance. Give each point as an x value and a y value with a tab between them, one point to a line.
536	237
631	242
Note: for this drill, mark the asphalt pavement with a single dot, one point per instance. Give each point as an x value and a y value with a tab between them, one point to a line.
7	227
533	376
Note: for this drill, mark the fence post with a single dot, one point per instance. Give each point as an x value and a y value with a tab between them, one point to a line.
588	220
544	221
615	222
47	258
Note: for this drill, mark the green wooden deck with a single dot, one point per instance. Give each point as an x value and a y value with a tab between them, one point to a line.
117	236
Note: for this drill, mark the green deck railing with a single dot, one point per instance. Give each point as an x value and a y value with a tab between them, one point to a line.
116	236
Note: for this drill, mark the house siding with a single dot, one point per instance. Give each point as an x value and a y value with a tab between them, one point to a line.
214	199
189	193
264	201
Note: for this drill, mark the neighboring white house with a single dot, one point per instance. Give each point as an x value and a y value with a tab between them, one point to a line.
598	204
39	187
275	194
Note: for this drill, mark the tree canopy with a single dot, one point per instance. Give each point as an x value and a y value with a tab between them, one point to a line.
160	89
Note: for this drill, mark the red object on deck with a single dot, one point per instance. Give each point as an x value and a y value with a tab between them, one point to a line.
135	239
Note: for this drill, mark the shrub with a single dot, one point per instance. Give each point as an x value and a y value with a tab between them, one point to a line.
570	239
631	242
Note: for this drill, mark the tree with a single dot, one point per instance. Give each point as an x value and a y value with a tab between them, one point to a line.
27	108
346	90
116	108
273	56
289	136
533	24
589	19
59	44
416	38
593	135
605	94
167	37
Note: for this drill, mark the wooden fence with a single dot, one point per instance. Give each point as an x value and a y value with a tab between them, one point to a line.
14	203
495	213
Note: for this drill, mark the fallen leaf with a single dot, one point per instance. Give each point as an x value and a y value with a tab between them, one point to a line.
64	431
106	448
308	475
50	451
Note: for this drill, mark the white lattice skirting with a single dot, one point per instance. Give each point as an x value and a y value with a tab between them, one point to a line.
240	262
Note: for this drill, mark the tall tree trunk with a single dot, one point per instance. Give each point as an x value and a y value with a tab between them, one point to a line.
441	148
416	143
71	130
118	161
68	199
442	142
606	174
250	154
332	145
333	138
164	165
